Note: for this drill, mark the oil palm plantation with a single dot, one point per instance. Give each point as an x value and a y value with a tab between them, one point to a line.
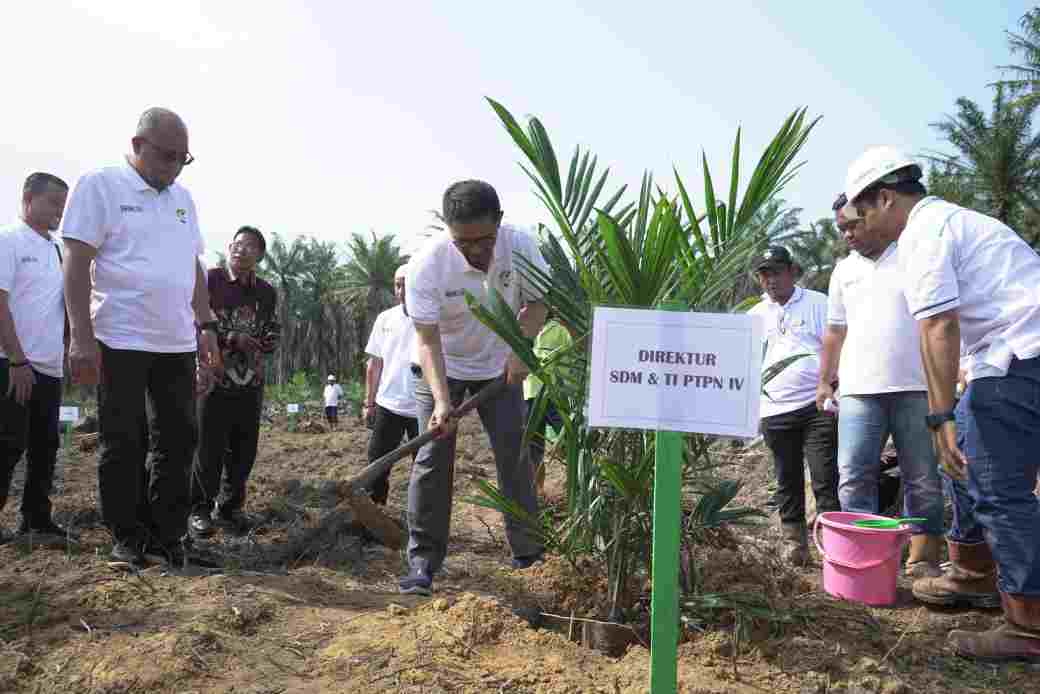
654	249
997	159
1025	45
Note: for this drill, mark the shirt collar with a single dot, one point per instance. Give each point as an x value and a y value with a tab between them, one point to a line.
138	183
921	204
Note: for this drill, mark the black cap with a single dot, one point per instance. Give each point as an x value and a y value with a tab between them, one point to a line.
774	256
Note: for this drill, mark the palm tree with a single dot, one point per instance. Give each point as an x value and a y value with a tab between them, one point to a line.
654	250
368	277
1027	46
998	156
321	279
817	250
283	265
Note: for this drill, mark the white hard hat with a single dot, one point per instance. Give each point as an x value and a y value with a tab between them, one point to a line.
872	166
331	377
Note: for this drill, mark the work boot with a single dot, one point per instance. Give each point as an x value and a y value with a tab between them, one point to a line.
923	561
1017	639
971	579
794	544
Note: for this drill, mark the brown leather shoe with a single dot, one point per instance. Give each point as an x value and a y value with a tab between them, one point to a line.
971	579
923	560
1016	640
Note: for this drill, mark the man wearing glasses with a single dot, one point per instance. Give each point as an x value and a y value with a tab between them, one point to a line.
457	355
229	416
136	295
795	432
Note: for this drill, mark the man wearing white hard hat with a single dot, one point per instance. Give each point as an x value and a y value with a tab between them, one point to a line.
333	392
883	390
389	409
970	279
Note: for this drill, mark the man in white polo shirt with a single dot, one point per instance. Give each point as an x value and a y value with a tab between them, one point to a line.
458	355
795	432
882	388
389	409
135	232
32	350
970	280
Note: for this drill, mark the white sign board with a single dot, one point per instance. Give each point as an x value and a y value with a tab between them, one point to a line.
68	414
675	371
292	408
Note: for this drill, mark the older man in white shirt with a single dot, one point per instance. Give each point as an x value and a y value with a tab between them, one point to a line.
971	280
882	388
456	355
795	432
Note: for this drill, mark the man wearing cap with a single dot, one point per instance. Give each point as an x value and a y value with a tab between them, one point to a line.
795	432
458	355
229	415
332	393
32	350
389	409
140	323
971	280
883	390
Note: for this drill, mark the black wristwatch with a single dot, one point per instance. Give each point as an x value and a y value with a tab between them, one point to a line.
935	421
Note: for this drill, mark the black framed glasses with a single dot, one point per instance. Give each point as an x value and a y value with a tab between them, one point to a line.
170	156
479	243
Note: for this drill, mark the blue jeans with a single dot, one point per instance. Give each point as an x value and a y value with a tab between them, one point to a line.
864	424
998	429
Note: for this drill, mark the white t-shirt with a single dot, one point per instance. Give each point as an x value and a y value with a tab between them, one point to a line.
393	341
148	244
333	392
438	279
882	352
952	257
30	273
794	328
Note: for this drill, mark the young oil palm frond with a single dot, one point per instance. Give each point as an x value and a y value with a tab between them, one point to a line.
1026	46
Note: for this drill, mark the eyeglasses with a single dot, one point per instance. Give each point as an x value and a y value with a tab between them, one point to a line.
245	246
479	243
170	156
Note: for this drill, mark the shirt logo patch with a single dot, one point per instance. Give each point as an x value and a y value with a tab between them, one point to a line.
505	277
182	215
30	259
130	208
451	294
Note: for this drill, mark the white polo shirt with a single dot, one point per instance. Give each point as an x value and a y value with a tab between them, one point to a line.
147	245
794	328
436	287
952	257
30	273
393	341
882	352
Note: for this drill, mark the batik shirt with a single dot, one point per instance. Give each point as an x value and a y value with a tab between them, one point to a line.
243	309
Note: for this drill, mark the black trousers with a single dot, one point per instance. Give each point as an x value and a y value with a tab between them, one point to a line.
32	428
387	431
796	438
145	398
229	429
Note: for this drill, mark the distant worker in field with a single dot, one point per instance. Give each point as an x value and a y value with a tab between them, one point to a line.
882	386
552	338
32	351
137	330
389	409
793	429
229	415
457	355
971	280
332	393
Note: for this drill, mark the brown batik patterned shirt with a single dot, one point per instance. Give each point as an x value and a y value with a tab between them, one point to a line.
248	310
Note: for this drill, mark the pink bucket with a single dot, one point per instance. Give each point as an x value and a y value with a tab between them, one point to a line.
859	564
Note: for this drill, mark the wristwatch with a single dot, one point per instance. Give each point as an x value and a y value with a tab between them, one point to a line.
936	420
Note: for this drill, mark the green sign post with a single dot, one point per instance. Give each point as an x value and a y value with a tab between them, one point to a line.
664	602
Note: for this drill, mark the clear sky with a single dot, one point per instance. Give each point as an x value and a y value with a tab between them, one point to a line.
326	118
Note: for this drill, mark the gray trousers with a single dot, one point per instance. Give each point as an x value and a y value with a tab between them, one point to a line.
431	485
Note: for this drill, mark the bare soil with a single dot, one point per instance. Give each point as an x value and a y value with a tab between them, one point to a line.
324	615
